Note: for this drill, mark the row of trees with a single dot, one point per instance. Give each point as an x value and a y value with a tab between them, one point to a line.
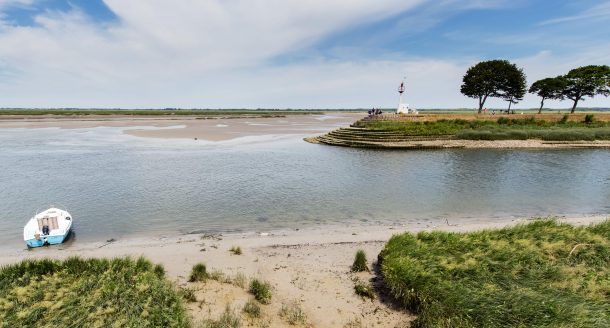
502	79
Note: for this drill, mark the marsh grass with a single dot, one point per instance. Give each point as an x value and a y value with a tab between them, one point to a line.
92	292
360	263
293	314
199	273
543	274
261	291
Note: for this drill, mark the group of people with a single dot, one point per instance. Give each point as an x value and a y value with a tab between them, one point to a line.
375	111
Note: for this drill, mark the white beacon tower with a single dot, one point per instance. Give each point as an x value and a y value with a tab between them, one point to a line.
402	107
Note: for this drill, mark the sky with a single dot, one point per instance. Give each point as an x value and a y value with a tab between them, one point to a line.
285	53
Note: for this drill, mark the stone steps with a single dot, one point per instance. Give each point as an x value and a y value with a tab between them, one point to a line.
364	138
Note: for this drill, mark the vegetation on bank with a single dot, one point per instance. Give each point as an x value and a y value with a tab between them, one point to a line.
95	292
543	274
501	129
156	112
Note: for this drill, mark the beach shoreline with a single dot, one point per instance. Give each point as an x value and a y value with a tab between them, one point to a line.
310	265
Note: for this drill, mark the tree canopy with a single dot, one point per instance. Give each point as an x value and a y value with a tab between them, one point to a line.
549	88
587	81
494	78
514	86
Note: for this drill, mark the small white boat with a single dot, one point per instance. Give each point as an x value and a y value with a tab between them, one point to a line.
49	227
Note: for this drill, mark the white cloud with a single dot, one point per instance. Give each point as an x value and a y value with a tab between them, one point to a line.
601	11
214	53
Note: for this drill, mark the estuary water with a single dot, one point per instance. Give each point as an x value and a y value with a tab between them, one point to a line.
116	185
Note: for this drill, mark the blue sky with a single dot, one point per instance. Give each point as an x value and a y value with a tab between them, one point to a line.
283	53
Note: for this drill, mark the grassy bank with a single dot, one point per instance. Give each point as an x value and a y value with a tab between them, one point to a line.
503	128
543	274
95	292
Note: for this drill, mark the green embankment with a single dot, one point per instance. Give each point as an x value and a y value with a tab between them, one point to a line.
543	274
501	129
95	292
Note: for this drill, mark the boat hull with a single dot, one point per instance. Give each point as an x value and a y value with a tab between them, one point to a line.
47	240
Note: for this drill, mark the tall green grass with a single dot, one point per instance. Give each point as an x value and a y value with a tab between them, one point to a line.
501	129
543	274
93	292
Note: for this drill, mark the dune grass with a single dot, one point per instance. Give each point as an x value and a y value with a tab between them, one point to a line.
199	273
228	319
364	290
261	291
236	250
360	263
543	274
293	314
120	292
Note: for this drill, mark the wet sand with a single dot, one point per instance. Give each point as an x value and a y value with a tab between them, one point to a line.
309	266
211	129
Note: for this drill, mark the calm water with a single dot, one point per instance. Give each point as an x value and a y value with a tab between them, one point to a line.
116	185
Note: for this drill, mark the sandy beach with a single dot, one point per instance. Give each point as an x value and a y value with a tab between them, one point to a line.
309	266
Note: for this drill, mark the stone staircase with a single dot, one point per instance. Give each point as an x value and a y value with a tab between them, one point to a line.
367	138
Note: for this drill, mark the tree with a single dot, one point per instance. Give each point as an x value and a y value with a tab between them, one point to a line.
549	88
587	81
493	78
514	86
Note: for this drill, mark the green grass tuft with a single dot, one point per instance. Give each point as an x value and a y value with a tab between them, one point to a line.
92	292
543	274
360	263
261	291
198	273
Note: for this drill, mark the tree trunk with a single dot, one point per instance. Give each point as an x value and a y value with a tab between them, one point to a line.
541	105
575	104
481	103
510	103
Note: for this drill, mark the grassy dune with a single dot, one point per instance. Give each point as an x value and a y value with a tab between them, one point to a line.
542	274
96	293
